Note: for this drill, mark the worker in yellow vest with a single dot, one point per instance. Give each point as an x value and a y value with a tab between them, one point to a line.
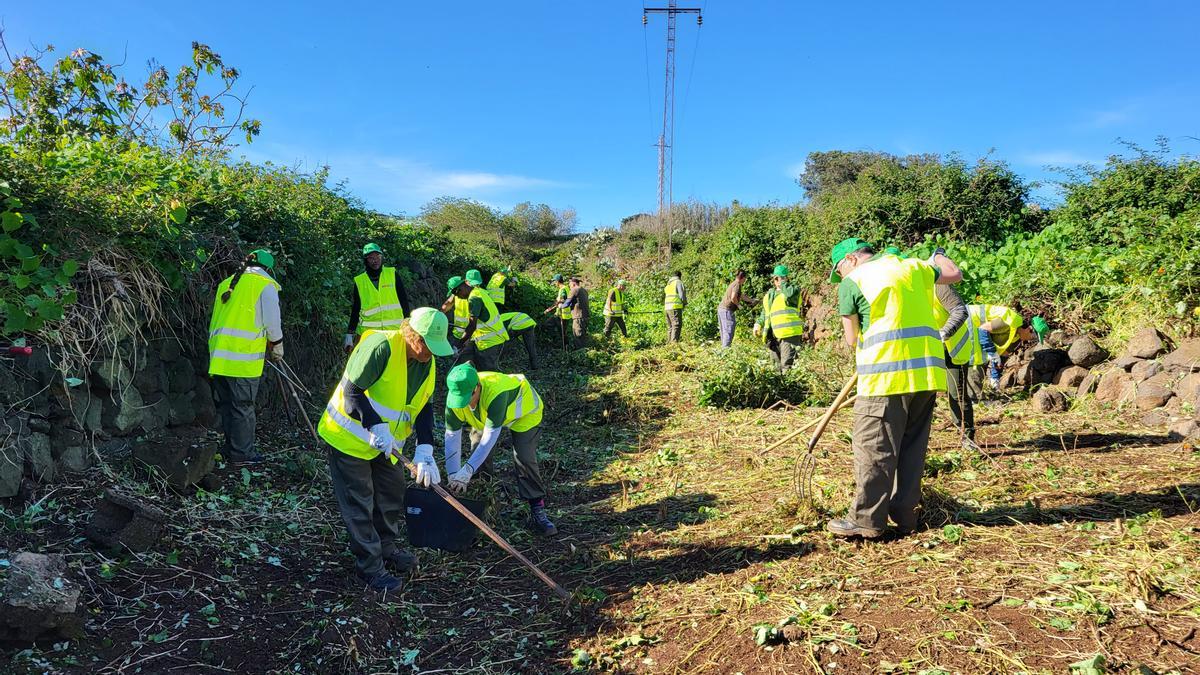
484	404
458	313
999	328
485	332
522	326
245	330
780	325
887	308
674	300
499	283
378	300
562	313
382	399
614	309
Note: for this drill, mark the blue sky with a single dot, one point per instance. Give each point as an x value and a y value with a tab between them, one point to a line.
560	101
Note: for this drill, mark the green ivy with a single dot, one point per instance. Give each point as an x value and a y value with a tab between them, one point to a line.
36	286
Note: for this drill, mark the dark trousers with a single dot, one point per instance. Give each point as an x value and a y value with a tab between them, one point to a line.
964	385
618	321
486	359
529	474
891	437
674	324
528	337
783	352
370	497
234	398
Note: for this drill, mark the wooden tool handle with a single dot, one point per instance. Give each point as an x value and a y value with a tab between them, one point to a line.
837	403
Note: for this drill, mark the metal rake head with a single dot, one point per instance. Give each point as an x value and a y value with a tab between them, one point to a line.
802	476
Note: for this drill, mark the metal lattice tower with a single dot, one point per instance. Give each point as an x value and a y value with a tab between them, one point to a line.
666	139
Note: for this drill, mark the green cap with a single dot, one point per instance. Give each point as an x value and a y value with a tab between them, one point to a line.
264	258
893	250
460	384
505	270
474	278
781	271
1040	326
556	277
430	324
843	248
372	248
453	283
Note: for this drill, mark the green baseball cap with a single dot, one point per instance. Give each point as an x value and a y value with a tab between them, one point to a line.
431	325
1040	326
843	248
556	277
781	271
505	270
453	283
372	248
474	278
893	250
460	385
264	258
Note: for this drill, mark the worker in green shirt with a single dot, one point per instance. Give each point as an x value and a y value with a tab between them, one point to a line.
485	332
779	324
484	404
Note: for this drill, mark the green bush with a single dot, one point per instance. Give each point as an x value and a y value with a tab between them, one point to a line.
744	377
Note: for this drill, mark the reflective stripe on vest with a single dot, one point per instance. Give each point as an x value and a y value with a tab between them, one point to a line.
379	307
563	312
1005	315
783	319
389	398
237	342
673	294
489	332
517	321
522	414
901	351
959	344
462	317
617	306
495	287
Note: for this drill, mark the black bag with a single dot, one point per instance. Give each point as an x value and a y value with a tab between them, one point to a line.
432	523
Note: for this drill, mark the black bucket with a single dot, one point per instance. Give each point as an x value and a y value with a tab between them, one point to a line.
432	523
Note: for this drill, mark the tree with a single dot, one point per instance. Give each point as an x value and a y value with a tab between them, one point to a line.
828	171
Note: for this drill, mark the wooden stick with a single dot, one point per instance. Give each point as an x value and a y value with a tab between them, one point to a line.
812	443
806	427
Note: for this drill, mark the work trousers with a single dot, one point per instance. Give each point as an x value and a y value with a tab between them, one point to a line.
674	324
891	437
528	337
529	474
370	497
727	321
611	320
579	330
964	384
783	351
485	359
234	398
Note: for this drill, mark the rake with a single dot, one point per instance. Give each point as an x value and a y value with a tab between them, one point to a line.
802	473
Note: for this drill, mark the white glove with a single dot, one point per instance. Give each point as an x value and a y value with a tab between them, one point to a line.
382	439
348	343
460	478
277	352
757	330
427	470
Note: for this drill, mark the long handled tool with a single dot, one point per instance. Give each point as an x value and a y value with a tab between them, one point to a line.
466	513
806	463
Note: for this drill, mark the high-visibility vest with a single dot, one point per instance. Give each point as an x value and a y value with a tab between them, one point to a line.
617	306
495	287
237	341
673	294
379	307
522	414
489	329
389	397
783	319
462	316
901	350
516	321
982	314
963	346
563	312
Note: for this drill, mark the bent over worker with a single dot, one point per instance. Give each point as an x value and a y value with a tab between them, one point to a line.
485	331
378	300
487	403
674	300
999	327
244	330
522	326
383	398
780	324
887	312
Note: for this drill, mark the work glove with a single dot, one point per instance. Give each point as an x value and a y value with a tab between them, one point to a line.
382	439
460	478
276	353
757	330
427	470
348	343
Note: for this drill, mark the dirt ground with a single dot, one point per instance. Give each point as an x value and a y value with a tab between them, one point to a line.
1073	538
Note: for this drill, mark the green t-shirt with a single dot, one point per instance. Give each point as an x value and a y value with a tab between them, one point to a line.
495	412
477	309
367	363
851	300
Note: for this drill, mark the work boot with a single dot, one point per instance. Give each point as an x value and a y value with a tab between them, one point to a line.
848	528
401	561
539	521
381	582
248	460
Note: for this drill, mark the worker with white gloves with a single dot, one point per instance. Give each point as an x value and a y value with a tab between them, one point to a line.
484	404
382	399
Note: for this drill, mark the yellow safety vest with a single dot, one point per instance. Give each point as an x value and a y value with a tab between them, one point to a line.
495	287
462	316
389	397
379	307
982	314
617	306
963	346
522	414
563	312
783	319
673	295
901	351
489	332
237	342
517	321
